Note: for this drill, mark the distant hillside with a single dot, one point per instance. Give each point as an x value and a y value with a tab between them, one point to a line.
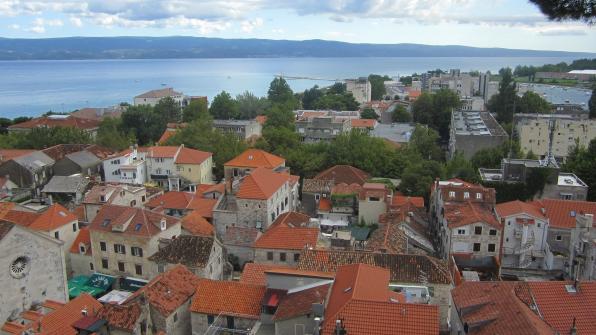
200	47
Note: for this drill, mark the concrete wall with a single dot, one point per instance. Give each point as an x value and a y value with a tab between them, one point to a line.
301	325
557	245
244	254
261	256
45	274
456	243
199	174
182	325
80	265
553	191
199	323
471	144
512	244
370	210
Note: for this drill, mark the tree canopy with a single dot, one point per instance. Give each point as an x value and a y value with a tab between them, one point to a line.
377	86
224	107
435	110
567	9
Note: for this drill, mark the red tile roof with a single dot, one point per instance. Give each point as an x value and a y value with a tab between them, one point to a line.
192	156
294	219
83	237
8	154
559	307
519	207
400	200
561	213
346	189
196	224
261	119
54	121
388	237
496	308
123	317
171	200
363	123
228	298
161	151
292	272
255	158
254	273
261	184
466	213
169	290
60	320
344	174
141	222
300	303
203	206
166	136
360	294
288	233
325	205
54	217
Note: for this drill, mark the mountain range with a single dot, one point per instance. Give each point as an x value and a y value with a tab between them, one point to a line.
68	48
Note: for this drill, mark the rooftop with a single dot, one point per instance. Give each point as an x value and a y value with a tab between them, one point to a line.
261	184
192	156
159	93
254	158
476	123
191	251
510	208
130	220
562	213
228	298
123	317
254	273
466	213
344	174
53	218
196	224
57	121
66	184
395	132
283	234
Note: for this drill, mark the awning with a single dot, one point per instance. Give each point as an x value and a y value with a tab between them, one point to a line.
337	223
95	285
115	297
132	284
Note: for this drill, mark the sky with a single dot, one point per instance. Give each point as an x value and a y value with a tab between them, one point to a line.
482	23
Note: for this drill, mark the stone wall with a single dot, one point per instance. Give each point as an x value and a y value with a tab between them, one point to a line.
261	256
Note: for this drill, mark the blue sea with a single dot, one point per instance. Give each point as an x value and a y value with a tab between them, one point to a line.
30	88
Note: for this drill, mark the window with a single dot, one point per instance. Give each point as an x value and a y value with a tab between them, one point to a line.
559	238
121	266
82	249
451	194
492	232
104	263
74	227
102	246
466	195
175	317
136	251
478	230
491	247
91	267
317	197
282	256
479	196
119	249
57	235
160	268
139	269
461	232
133	203
296	257
269	256
476	246
210	319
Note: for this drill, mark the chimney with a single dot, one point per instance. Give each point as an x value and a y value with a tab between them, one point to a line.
84	312
573	330
162	224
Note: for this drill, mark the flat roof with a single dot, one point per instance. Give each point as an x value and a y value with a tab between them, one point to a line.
476	123
570	179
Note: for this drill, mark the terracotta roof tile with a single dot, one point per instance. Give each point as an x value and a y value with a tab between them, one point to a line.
169	290
241	236
159	93
388	237
20	217
293	272
123	317
190	251
345	189
363	123
261	184
325	205
288	233
255	158
344	174
254	273
317	185
192	156
300	303
167	134
141	222
462	214
171	200
495	308
518	207
400	200
162	151
261	119
13	327
5	208
196	224
60	320
54	217
83	237
228	298
8	154
52	121
203	206
403	268
561	213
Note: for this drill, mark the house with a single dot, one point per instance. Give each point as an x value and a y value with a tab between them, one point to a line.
321	128
343	174
123	238
239	245
168	297
66	189
99	114
126	167
563	216
171	129
365	125
313	190
131	318
283	241
30	171
525	230
152	97
254	273
225	304
56	222
112	194
89	126
81	254
360	89
582	251
249	160
362	302
195	224
201	255
401	231
56	317
87	162
7	187
8	154
341	209
245	130
258	200
35	269
372	202
176	168
473	131
424	279
180	204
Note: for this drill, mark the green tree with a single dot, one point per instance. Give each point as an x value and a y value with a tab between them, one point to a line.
280	92
195	109
459	167
337	88
280	116
424	142
400	114
592	103
567	9
417	178
310	96
224	107
369	113
435	110
377	86
502	103
249	105
344	101
146	125
110	135
423	109
168	109
40	138
582	162
531	102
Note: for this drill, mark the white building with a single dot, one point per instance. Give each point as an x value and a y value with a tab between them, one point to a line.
360	89
152	97
126	167
525	230
122	195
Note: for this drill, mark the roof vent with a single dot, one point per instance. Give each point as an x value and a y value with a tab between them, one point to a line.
162	224
572	214
348	289
570	289
84	312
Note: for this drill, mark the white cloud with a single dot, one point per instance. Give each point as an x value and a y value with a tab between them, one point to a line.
55	23
249	25
37	29
14	26
75	21
278	31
